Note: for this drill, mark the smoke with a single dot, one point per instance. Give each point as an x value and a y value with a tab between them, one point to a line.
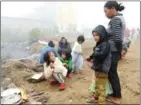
10	50
53	18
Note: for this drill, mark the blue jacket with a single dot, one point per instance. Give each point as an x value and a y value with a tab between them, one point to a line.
46	49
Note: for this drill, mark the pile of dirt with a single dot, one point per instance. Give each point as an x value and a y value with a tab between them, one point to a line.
25	63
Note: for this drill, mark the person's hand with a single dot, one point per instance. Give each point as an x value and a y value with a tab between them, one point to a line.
65	64
90	64
51	65
88	59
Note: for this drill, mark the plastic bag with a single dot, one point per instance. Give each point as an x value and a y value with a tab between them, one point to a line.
108	88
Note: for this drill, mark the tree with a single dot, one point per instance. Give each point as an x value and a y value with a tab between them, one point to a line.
35	34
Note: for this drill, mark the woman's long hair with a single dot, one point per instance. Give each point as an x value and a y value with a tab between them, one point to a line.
67	53
114	4
47	58
60	42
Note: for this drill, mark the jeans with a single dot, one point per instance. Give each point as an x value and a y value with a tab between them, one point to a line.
113	75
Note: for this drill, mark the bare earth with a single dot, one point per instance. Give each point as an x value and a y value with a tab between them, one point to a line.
77	91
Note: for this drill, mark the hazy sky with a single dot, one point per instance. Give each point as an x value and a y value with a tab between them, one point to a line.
89	14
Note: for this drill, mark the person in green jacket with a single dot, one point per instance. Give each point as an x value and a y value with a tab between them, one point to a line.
66	59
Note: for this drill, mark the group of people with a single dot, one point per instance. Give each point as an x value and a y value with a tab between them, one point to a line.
130	36
104	59
63	62
131	33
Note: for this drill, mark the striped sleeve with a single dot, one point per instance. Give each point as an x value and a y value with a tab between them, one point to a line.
116	29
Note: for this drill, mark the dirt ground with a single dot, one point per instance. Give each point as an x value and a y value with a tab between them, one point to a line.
77	91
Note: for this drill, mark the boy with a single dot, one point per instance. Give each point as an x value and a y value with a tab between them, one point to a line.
100	62
49	47
77	59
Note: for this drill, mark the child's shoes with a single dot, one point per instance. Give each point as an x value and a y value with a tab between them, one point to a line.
69	75
62	86
52	83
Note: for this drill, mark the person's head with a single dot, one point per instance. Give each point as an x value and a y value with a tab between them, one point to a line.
66	54
49	57
63	40
80	39
51	44
111	8
100	34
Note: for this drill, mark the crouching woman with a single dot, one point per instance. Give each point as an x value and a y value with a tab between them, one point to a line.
54	68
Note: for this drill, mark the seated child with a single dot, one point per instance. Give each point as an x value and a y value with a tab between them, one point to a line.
66	59
53	67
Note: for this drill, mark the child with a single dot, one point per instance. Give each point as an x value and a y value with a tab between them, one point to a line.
77	58
100	61
49	47
63	44
54	67
66	59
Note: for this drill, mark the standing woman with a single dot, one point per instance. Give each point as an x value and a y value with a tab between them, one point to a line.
115	38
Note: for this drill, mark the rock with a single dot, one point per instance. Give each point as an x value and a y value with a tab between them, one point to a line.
6	82
11	99
10	91
36	78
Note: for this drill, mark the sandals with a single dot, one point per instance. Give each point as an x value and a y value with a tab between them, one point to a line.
112	100
92	100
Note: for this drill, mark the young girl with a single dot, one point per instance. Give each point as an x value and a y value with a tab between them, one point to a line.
77	58
100	62
66	59
54	67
